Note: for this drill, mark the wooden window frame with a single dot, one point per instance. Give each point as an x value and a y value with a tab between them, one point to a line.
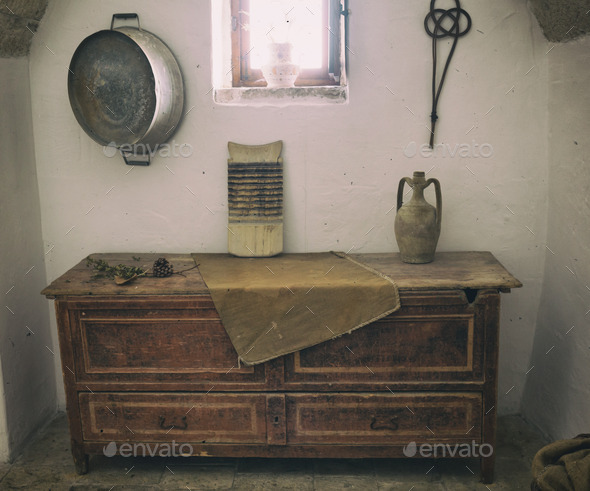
332	42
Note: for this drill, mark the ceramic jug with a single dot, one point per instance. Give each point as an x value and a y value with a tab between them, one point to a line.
417	223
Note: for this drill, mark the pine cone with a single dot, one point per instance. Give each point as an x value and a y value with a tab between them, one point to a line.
162	268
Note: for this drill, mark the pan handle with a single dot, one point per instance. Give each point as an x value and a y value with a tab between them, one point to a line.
125	16
131	158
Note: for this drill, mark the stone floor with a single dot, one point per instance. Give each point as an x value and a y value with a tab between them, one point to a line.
47	465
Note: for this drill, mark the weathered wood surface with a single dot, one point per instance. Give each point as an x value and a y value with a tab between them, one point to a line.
255	239
162	340
439	339
379	419
317	451
267	153
179	342
449	270
166	416
80	281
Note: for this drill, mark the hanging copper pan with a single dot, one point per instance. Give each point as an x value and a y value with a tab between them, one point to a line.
126	89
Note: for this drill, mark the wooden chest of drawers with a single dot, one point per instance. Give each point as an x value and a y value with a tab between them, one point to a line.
151	363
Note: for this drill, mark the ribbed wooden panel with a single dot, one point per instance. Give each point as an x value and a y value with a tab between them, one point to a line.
255	199
255	191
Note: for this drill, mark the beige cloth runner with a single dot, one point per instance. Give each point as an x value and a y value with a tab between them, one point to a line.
274	306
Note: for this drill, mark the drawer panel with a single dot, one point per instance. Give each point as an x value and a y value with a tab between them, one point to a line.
182	417
360	419
156	345
412	345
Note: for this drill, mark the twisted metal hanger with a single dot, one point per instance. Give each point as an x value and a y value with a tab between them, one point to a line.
436	17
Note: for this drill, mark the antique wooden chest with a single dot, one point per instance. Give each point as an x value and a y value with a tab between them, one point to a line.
150	363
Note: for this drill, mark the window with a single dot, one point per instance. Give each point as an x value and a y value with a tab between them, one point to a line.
314	28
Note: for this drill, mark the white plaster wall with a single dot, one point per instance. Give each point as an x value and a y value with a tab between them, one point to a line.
28	394
557	396
342	162
4	448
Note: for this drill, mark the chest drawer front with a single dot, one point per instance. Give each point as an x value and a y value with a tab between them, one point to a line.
360	419
161	417
438	340
156	343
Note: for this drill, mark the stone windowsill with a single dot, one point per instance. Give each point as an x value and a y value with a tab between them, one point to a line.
263	96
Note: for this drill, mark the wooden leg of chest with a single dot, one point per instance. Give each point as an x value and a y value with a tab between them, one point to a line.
490	393
80	458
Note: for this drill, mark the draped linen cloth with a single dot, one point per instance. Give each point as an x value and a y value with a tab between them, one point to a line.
274	306
563	465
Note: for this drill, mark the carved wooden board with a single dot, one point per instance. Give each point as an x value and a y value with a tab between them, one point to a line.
255	200
213	418
383	419
402	347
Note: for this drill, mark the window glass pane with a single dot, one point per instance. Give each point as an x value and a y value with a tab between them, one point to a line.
286	21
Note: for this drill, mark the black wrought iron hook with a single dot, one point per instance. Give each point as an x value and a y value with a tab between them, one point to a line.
436	17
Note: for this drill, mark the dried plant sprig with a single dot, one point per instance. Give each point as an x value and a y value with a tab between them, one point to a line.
104	269
122	273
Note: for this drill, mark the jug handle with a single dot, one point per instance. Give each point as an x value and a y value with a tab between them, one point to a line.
400	190
438	198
